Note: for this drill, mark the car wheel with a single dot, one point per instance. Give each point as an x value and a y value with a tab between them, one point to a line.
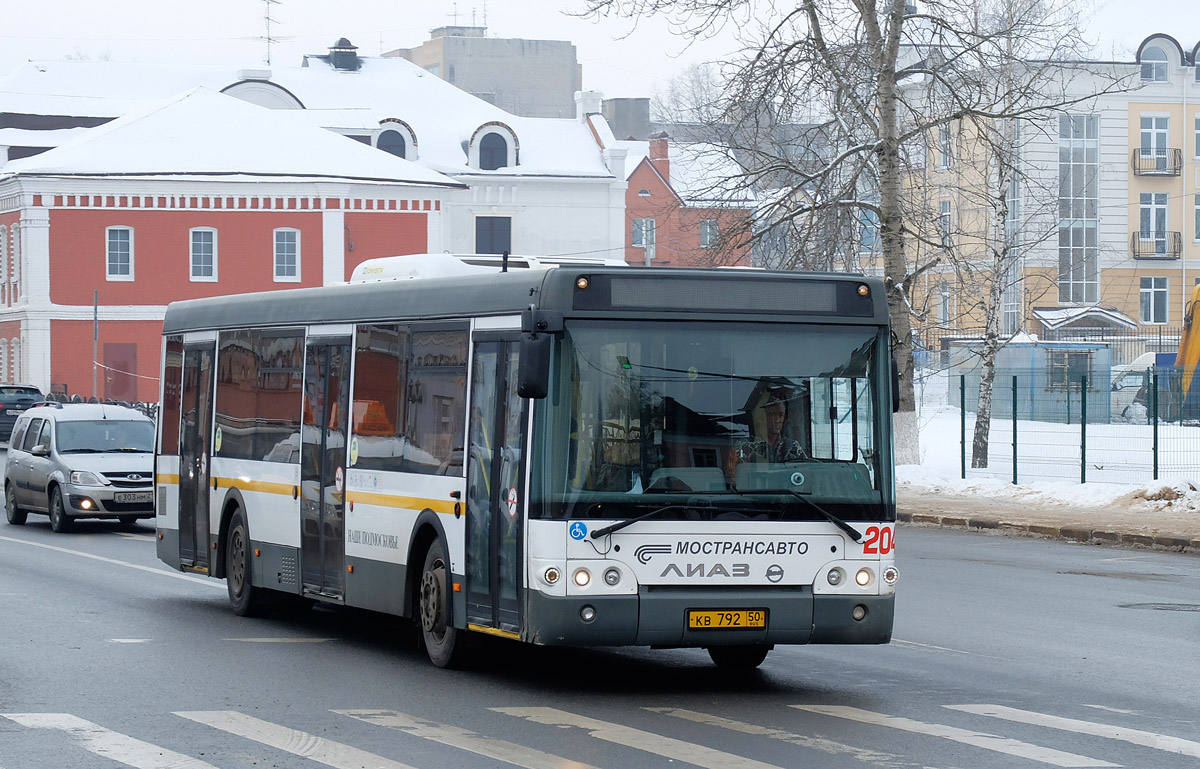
60	522
738	657
14	514
246	600
445	644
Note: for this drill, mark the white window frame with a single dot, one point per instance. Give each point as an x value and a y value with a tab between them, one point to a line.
275	255
510	140
108	273
710	233
1154	294
1157	68
1196	230
943	304
944	222
192	255
945	147
1196	149
638	239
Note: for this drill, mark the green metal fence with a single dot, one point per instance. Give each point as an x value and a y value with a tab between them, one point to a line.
1082	431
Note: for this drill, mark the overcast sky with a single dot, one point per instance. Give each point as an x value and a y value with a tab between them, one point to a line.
617	58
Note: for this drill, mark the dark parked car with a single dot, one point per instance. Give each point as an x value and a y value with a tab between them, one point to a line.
14	399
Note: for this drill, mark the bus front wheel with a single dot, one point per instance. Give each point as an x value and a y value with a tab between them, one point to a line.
738	657
443	643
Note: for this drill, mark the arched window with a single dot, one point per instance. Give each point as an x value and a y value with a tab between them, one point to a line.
393	143
1154	65
493	152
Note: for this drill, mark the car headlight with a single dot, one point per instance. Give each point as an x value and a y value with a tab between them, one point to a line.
86	478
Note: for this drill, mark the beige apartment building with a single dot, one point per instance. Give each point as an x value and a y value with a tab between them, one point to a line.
1102	225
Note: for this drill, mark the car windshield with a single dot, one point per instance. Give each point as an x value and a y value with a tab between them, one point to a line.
105	435
713	420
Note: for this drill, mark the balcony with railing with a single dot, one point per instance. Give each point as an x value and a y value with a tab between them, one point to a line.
1161	161
1161	244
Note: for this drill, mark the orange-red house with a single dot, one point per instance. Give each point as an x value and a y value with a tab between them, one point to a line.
684	206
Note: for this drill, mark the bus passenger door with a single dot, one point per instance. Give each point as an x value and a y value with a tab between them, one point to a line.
495	487
323	466
195	431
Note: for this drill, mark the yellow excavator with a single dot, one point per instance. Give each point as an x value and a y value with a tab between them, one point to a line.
1188	356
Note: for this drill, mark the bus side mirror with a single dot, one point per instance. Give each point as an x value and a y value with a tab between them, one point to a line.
533	370
895	386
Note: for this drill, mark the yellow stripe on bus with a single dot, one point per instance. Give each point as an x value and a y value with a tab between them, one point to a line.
167	479
446	507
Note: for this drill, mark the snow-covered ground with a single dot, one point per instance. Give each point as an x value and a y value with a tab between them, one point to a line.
1119	461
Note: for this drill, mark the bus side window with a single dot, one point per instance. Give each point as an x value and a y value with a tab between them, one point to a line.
437	400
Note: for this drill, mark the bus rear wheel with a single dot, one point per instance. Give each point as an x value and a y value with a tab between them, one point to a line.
246	600
444	643
738	657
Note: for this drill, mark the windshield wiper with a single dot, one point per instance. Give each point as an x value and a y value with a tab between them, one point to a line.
598	533
853	532
81	451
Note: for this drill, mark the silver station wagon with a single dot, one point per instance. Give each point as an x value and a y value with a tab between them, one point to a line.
80	460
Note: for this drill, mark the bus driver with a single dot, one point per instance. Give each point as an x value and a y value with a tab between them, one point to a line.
777	445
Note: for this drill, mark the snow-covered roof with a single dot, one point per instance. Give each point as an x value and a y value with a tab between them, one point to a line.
1057	317
443	117
205	133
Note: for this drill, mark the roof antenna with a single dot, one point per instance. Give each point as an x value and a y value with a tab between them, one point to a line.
504	262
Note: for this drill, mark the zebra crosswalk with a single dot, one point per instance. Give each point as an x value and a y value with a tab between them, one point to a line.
249	740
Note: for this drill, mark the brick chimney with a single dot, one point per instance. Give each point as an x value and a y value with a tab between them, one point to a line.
659	154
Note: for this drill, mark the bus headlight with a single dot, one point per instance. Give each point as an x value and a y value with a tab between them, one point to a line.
551	575
612	576
863	577
890	575
582	577
835	576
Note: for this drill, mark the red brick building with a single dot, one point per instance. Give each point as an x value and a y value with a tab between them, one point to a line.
683	207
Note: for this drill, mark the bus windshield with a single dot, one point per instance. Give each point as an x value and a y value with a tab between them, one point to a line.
712	420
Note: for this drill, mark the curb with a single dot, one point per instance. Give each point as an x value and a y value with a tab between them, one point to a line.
1045	531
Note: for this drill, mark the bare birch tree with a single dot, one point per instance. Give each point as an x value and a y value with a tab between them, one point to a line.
870	81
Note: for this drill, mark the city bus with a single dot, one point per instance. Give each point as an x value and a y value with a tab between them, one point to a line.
568	455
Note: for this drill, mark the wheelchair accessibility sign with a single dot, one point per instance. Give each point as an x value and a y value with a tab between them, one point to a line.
578	530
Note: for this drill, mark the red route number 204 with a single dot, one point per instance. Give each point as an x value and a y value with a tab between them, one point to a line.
879	540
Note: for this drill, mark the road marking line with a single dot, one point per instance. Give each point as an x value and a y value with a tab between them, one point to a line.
280	640
151	569
978	739
109	744
457	737
666	747
298	743
817	743
900	642
130	640
1136	736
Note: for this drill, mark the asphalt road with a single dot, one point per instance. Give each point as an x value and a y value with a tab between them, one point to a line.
1008	653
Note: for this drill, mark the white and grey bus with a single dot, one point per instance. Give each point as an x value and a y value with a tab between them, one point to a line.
566	455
